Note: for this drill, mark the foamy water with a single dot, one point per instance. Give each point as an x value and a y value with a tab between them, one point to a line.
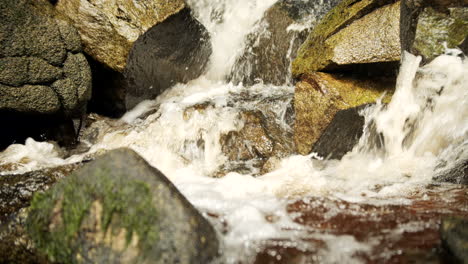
425	123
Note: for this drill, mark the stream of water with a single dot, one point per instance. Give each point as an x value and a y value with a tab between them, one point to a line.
422	127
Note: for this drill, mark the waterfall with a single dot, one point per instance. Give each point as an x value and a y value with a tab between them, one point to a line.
426	122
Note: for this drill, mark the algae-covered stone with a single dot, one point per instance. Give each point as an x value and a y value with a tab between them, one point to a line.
275	39
119	209
429	27
17	190
109	28
319	96
354	32
454	233
38	50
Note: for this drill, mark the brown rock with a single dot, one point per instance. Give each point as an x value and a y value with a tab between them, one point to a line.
109	28
319	96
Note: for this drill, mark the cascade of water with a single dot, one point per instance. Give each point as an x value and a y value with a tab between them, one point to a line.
228	22
427	117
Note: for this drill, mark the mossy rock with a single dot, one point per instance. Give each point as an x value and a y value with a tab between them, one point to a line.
319	96
428	27
272	44
336	28
119	209
436	29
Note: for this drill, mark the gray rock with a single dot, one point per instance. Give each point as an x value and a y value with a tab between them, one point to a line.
119	209
38	50
175	50
426	26
341	135
354	33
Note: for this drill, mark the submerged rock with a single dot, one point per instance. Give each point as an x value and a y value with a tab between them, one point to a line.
176	50
353	33
274	41
342	134
428	27
454	233
119	209
258	144
319	96
109	28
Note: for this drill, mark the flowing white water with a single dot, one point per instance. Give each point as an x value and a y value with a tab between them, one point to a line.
426	121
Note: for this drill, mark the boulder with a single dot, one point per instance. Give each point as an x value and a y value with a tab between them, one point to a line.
119	209
454	234
274	41
17	190
354	33
45	80
175	50
428	27
109	28
42	69
342	134
319	96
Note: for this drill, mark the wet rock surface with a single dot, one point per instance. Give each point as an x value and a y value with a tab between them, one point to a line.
379	233
341	135
15	245
272	45
17	190
119	209
174	51
454	233
261	141
429	25
109	28
352	33
319	96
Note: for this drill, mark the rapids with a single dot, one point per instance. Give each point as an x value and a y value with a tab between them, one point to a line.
425	123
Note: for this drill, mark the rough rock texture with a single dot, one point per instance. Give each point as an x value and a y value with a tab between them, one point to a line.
41	67
319	96
119	209
16	191
354	32
176	50
108	28
454	172
454	233
15	245
341	135
427	25
274	41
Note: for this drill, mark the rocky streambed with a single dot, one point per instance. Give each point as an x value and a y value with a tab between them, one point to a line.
233	132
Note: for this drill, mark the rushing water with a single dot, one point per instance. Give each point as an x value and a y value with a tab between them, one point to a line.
426	122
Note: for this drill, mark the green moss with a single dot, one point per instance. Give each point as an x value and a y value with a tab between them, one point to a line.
435	29
315	54
56	216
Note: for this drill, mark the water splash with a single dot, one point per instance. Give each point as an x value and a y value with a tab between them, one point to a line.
425	123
